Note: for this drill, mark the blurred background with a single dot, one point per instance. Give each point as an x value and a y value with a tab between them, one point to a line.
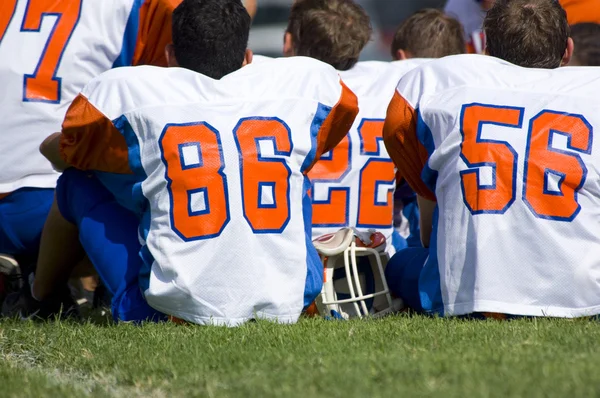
266	36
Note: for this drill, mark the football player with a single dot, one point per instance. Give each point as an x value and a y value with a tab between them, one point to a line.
353	185
501	152
586	37
218	157
48	51
426	34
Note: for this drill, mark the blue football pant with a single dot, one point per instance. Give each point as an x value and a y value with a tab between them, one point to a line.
109	235
402	274
22	217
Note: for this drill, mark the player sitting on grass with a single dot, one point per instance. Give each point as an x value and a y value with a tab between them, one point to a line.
220	199
353	185
501	152
48	51
428	33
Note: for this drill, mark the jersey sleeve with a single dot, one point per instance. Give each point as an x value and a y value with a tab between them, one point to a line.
90	141
336	124
402	142
154	32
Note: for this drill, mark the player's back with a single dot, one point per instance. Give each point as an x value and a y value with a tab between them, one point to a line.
48	51
223	166
353	185
514	167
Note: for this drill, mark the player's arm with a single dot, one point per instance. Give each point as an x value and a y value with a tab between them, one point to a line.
88	141
50	148
409	156
426	209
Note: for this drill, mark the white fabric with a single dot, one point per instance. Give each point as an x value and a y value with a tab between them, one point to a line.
373	83
25	124
239	274
515	262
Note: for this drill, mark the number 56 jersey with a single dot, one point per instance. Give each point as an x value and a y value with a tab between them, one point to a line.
511	156
222	166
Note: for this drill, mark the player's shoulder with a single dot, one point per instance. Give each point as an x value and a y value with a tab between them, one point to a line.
295	77
372	78
487	71
123	89
290	65
141	78
462	66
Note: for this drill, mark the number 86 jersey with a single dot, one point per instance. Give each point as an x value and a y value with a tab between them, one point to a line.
222	166
511	157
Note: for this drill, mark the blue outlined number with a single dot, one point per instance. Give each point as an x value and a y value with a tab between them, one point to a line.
552	177
43	85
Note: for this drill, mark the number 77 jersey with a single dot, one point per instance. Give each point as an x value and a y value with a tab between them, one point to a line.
353	185
222	166
49	49
511	156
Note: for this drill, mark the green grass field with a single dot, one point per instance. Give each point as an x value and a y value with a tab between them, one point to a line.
394	357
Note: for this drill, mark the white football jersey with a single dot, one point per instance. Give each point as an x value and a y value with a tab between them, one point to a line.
49	50
510	155
223	167
353	185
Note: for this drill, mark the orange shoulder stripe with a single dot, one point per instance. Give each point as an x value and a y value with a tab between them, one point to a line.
337	124
403	145
90	141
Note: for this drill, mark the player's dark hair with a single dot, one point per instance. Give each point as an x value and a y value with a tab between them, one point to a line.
429	33
587	44
529	33
332	31
211	36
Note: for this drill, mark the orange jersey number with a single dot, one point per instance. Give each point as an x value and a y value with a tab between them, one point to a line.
499	155
197	185
332	167
378	172
265	176
7	10
566	167
543	162
43	85
195	180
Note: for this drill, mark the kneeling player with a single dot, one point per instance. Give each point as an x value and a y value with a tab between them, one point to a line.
353	185
503	157
220	177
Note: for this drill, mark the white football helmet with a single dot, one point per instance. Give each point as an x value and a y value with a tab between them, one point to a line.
354	280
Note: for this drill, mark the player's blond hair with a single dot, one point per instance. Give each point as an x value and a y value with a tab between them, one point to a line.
332	31
429	33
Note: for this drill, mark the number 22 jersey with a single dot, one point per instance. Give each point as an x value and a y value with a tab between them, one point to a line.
510	155
353	184
222	164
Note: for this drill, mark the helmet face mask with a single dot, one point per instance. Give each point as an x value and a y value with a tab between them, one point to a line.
354	281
